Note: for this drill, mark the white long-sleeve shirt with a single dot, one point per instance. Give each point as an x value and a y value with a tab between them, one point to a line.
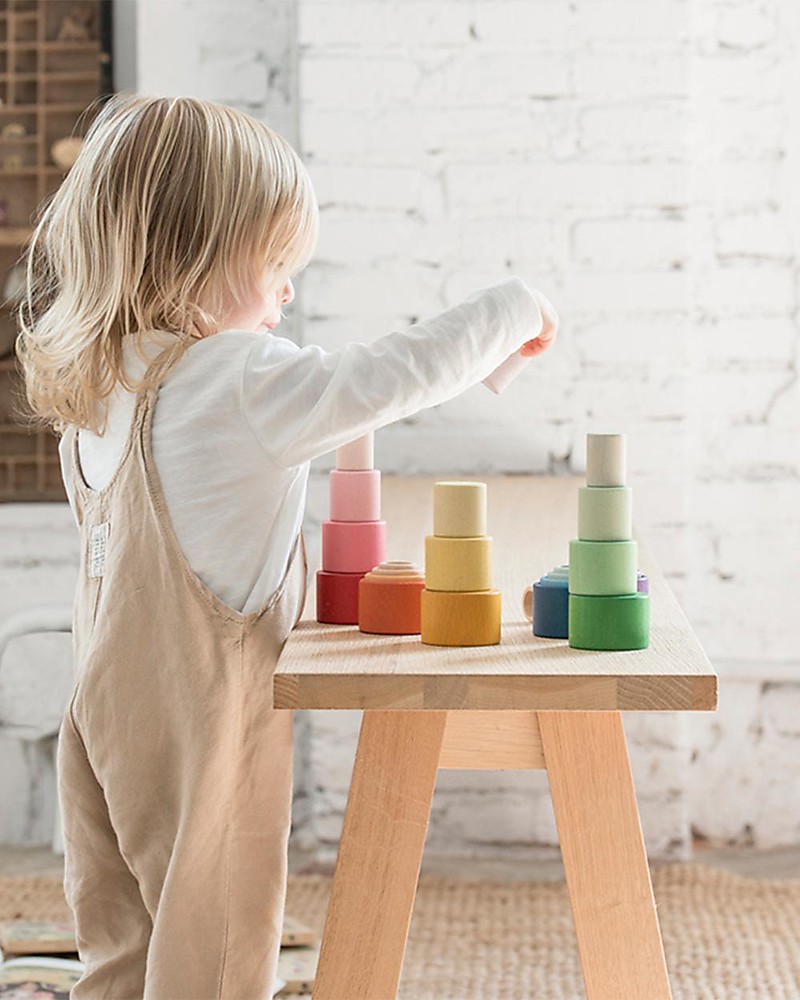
239	418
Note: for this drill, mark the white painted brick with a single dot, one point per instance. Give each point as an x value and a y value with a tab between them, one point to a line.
540	388
204	49
473	79
477	782
641	244
763	235
666	730
525	24
645	74
780	709
492	818
30	541
356	26
723	745
28	783
359	188
334	737
652	401
523	246
660	771
745	26
665	826
366	82
623	294
745	395
456	25
670	545
600	22
743	130
661	343
367	293
457	449
661	448
512	189
742	556
36	681
239	79
405	134
236	26
732	75
328	817
774	503
734	184
658	503
39	562
729	629
744	749
746	289
765	340
493	416
636	132
779	822
367	239
754	450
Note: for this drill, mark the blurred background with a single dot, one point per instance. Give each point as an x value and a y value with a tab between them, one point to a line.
638	163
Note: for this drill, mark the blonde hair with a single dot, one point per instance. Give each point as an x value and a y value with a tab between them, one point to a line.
167	220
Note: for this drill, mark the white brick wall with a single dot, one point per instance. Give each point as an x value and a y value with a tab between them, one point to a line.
746	406
635	168
640	167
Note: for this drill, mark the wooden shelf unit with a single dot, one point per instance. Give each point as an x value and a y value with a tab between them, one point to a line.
46	87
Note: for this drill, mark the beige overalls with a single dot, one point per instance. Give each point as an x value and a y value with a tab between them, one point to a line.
174	770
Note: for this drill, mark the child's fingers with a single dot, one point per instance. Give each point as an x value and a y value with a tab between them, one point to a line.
533	347
540	344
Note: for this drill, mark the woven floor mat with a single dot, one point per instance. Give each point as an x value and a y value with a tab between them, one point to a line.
726	937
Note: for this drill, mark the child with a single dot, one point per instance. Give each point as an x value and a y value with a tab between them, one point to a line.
155	277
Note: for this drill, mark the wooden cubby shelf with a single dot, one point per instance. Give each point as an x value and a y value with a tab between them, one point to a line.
55	61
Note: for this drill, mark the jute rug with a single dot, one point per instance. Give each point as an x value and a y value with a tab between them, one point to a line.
726	937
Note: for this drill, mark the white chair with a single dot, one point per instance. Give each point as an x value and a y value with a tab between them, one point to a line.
45	618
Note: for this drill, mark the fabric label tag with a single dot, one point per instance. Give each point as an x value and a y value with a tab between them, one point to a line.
97	548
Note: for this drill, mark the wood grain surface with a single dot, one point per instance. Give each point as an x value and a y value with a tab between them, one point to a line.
531	520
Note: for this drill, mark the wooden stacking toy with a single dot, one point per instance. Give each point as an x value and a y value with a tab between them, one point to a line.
546	604
354	539
389	599
609	602
459	606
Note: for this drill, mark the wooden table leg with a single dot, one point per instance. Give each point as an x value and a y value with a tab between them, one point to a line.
380	853
619	939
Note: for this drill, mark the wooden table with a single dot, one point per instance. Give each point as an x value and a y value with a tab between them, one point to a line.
527	703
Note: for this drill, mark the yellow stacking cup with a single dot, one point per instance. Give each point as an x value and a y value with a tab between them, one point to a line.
462	564
452	618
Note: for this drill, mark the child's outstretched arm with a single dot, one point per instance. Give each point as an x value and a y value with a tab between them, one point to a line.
303	402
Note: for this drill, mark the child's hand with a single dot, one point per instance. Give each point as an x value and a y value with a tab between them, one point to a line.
548	331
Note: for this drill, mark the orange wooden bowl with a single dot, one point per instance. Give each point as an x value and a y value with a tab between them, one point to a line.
389	599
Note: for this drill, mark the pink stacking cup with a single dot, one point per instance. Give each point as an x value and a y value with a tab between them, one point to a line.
353	546
355	495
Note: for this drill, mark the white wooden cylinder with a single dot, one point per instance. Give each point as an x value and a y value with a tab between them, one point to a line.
357	455
605	460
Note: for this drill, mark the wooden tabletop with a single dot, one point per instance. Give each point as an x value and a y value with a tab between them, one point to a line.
531	520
